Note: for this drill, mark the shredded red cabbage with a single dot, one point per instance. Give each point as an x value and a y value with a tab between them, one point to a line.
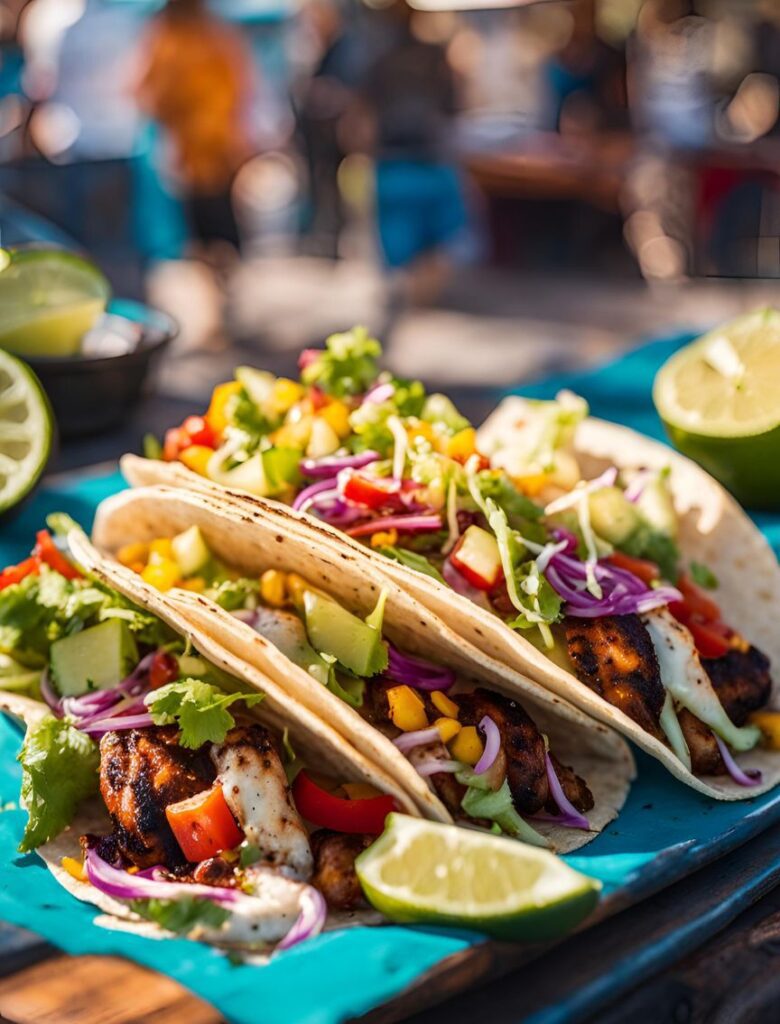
417	672
304	497
492	745
332	464
622	592
752	777
412	523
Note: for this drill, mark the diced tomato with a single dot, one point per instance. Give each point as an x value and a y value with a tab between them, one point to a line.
176	440
697	601
644	569
164	669
16	573
46	550
372	491
478	559
322	808
199	431
712	639
204	825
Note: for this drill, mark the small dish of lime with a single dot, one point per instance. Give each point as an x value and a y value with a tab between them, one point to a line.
719	400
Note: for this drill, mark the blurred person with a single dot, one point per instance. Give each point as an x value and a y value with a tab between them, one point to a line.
196	82
420	202
322	101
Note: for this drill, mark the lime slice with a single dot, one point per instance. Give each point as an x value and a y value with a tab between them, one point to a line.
420	872
49	299
719	399
25	430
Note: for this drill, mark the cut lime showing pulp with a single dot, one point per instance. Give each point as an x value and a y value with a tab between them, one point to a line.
420	872
25	430
719	399
49	299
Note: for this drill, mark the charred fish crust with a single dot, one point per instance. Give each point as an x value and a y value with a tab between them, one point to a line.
614	656
742	680
334	867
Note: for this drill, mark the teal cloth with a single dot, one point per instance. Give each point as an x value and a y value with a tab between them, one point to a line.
345	974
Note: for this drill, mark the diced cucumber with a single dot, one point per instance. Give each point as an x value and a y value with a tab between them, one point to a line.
281	467
612	515
335	631
258	384
323	439
190	551
94	659
249	476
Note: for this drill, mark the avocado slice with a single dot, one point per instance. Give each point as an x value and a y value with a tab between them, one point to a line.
94	659
335	631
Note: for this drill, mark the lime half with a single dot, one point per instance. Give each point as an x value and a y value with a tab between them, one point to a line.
420	872
25	430
719	399
49	300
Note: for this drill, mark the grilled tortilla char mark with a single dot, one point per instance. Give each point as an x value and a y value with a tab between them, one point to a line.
741	680
334	867
614	656
141	772
523	746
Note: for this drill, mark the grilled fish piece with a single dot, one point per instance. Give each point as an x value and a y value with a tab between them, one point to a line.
615	657
523	747
705	755
741	680
141	772
334	867
255	786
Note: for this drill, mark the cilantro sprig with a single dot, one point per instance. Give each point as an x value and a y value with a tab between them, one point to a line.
198	709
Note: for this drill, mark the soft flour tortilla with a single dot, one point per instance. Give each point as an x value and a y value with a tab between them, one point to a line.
92	817
253	540
714	530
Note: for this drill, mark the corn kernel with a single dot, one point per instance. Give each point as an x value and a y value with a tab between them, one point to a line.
217	415
160	550
130	554
75	868
161	575
273	588
286	393
443	703
197	458
195	583
296	585
467	746
336	415
360	790
461	445
769	724
384	538
407	710
448	728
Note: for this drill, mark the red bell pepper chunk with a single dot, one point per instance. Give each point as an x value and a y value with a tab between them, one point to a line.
164	669
199	431
46	550
322	808
696	600
204	825
642	568
16	573
372	491
176	440
712	639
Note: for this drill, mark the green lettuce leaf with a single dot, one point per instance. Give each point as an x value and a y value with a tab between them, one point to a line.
198	709
412	560
497	806
233	594
348	366
59	770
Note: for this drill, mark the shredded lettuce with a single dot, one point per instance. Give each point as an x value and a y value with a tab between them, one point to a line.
412	560
59	770
347	366
198	709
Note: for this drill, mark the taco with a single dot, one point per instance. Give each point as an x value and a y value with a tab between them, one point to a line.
566	547
167	782
469	740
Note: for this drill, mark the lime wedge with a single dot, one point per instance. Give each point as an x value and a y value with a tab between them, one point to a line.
49	299
25	430
719	399
420	872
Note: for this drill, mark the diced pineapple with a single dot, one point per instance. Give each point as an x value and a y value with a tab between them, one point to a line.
132	554
467	746
442	703
384	538
448	728
161	575
285	394
336	415
461	445
160	550
407	710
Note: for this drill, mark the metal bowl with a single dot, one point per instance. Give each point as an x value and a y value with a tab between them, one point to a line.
98	388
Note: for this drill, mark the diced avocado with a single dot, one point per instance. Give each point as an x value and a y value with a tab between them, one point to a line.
258	384
190	551
657	507
612	515
249	476
337	632
94	659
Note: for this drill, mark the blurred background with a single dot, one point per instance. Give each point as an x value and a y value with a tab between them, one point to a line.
499	192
